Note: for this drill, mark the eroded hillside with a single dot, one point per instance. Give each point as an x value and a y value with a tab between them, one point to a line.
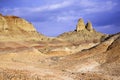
83	54
13	28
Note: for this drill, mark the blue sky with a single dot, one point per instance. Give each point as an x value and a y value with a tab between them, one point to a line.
53	17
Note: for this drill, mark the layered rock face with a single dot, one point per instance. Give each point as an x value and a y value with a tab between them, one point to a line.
15	28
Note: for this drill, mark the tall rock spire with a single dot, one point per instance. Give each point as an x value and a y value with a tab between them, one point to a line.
80	26
89	26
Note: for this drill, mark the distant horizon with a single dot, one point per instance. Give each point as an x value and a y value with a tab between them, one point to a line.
52	18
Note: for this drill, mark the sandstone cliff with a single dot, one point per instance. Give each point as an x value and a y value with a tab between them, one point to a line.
15	28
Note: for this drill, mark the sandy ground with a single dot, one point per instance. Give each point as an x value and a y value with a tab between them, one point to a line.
60	60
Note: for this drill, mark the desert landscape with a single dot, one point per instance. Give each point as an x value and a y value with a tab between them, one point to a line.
81	54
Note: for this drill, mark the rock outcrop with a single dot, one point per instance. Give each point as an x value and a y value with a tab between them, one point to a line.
82	33
14	23
3	23
89	26
16	28
80	26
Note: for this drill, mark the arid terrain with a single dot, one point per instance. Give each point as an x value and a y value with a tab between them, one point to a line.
82	54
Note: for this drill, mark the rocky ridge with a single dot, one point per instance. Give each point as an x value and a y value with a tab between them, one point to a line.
89	26
83	33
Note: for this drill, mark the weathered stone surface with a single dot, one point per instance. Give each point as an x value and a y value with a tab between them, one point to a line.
89	26
15	28
15	23
82	33
80	26
22	24
3	23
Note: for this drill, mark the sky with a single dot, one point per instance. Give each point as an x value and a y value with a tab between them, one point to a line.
54	17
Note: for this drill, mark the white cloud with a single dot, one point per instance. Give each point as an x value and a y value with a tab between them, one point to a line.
87	3
25	10
90	6
65	18
86	7
51	7
110	29
104	27
60	5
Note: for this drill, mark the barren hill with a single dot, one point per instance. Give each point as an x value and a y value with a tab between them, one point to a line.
14	28
83	54
100	62
83	33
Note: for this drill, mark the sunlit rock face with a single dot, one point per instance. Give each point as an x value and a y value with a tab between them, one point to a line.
15	23
3	23
83	33
80	26
16	28
89	26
